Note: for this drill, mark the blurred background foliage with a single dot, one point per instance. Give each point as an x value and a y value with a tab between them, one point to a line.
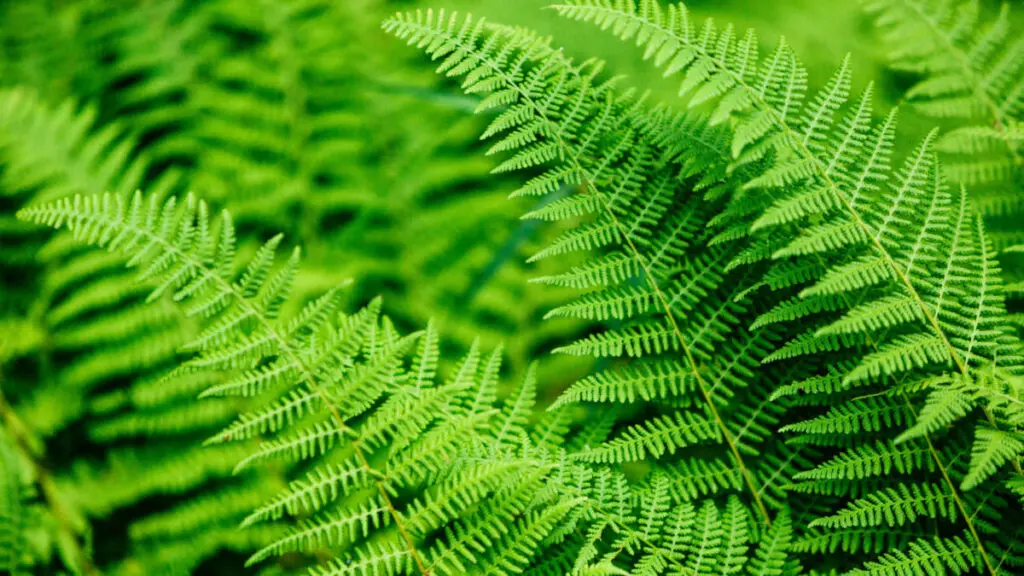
299	116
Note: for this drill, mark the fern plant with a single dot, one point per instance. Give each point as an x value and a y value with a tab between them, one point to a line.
397	472
91	350
871	279
562	112
970	74
895	293
969	69
307	366
792	325
96	329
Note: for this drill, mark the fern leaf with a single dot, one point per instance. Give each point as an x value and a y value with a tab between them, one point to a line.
992	448
925	556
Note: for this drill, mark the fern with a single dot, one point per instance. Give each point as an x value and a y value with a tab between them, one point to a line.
970	73
891	301
106	345
810	160
334	391
992	449
571	124
93	317
895	241
968	65
943	555
784	340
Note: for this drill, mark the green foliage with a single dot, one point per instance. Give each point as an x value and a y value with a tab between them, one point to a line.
880	274
968	67
13	509
329	393
87	369
567	122
784	335
333	395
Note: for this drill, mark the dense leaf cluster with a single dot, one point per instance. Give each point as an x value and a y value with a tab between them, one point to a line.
803	352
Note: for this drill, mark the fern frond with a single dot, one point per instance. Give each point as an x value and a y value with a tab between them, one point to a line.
560	131
925	556
894	507
872	460
968	69
647	381
772	554
342	398
992	448
896	253
868	415
654	437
